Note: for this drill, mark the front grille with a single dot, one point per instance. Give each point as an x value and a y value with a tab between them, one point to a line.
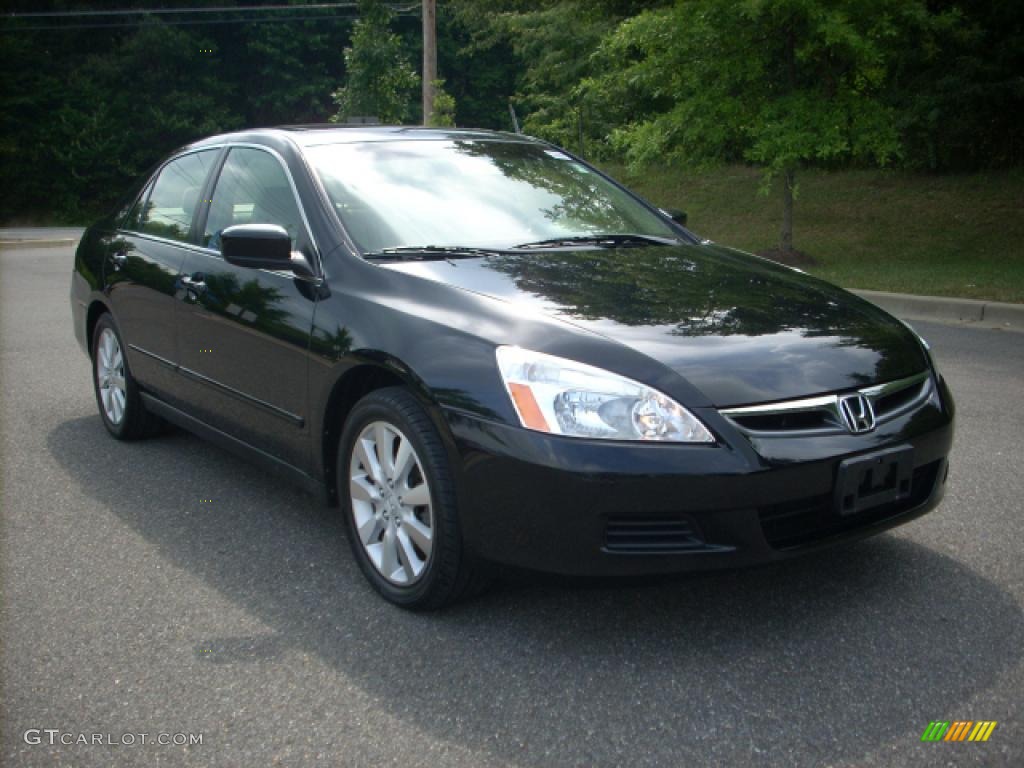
805	521
895	402
820	414
652	535
801	421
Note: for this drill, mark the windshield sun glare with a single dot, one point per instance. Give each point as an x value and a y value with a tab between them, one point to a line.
482	194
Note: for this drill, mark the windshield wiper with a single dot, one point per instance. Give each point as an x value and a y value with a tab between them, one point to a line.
603	241
429	252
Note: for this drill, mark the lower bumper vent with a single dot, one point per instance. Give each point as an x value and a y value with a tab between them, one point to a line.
652	535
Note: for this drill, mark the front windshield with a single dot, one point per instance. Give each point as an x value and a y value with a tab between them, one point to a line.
478	194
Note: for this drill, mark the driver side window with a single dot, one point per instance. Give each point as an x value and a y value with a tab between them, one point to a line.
252	189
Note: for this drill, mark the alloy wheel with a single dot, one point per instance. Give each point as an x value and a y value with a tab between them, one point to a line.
110	376
391	504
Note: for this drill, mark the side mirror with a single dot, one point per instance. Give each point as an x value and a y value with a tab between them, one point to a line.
262	246
679	217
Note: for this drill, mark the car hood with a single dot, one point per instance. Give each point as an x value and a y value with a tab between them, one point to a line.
740	328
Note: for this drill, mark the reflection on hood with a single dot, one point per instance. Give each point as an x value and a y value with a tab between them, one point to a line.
742	329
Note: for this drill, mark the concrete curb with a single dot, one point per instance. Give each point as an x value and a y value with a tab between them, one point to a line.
946	309
51	243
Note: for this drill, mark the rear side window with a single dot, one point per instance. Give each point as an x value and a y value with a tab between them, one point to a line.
172	203
252	189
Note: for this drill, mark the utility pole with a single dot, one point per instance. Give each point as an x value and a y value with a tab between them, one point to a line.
429	57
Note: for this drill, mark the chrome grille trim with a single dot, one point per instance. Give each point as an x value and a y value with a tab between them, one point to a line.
828	407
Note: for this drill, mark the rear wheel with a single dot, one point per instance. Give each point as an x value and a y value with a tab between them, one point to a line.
117	394
401	515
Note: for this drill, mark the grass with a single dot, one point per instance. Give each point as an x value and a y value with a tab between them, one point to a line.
952	235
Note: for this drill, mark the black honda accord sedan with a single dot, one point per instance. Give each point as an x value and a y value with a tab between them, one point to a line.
488	353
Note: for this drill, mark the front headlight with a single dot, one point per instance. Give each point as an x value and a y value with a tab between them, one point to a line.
553	394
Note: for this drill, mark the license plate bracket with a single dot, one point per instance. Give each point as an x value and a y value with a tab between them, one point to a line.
874	479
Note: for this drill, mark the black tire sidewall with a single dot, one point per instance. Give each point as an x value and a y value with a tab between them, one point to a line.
395	406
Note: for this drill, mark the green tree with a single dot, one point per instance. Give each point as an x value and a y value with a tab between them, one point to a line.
285	72
444	106
778	83
555	43
118	113
379	81
480	75
959	88
933	84
552	42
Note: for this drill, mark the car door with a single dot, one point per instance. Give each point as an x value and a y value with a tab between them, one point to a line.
243	334
144	265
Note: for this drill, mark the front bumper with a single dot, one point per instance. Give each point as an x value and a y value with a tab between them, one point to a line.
581	507
79	297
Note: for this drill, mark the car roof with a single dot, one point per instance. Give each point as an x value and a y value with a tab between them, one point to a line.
331	133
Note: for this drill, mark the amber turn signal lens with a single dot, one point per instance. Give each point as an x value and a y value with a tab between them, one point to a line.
527	406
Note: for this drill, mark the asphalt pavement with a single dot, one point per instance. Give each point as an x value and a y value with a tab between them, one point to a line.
165	587
34	237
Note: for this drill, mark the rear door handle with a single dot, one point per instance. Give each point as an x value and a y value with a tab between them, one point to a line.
120	258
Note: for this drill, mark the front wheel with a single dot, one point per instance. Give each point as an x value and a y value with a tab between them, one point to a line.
394	477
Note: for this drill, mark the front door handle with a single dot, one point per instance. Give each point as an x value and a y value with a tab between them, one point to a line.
194	284
120	258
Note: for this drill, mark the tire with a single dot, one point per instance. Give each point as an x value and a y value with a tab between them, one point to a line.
395	486
117	394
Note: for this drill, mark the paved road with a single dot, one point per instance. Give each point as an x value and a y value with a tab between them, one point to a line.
30	234
130	606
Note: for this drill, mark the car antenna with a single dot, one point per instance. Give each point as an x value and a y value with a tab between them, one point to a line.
515	120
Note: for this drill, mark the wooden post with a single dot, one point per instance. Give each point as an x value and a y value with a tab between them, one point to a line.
429	57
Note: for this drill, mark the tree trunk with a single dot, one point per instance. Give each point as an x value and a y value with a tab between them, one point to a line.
429	58
786	232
